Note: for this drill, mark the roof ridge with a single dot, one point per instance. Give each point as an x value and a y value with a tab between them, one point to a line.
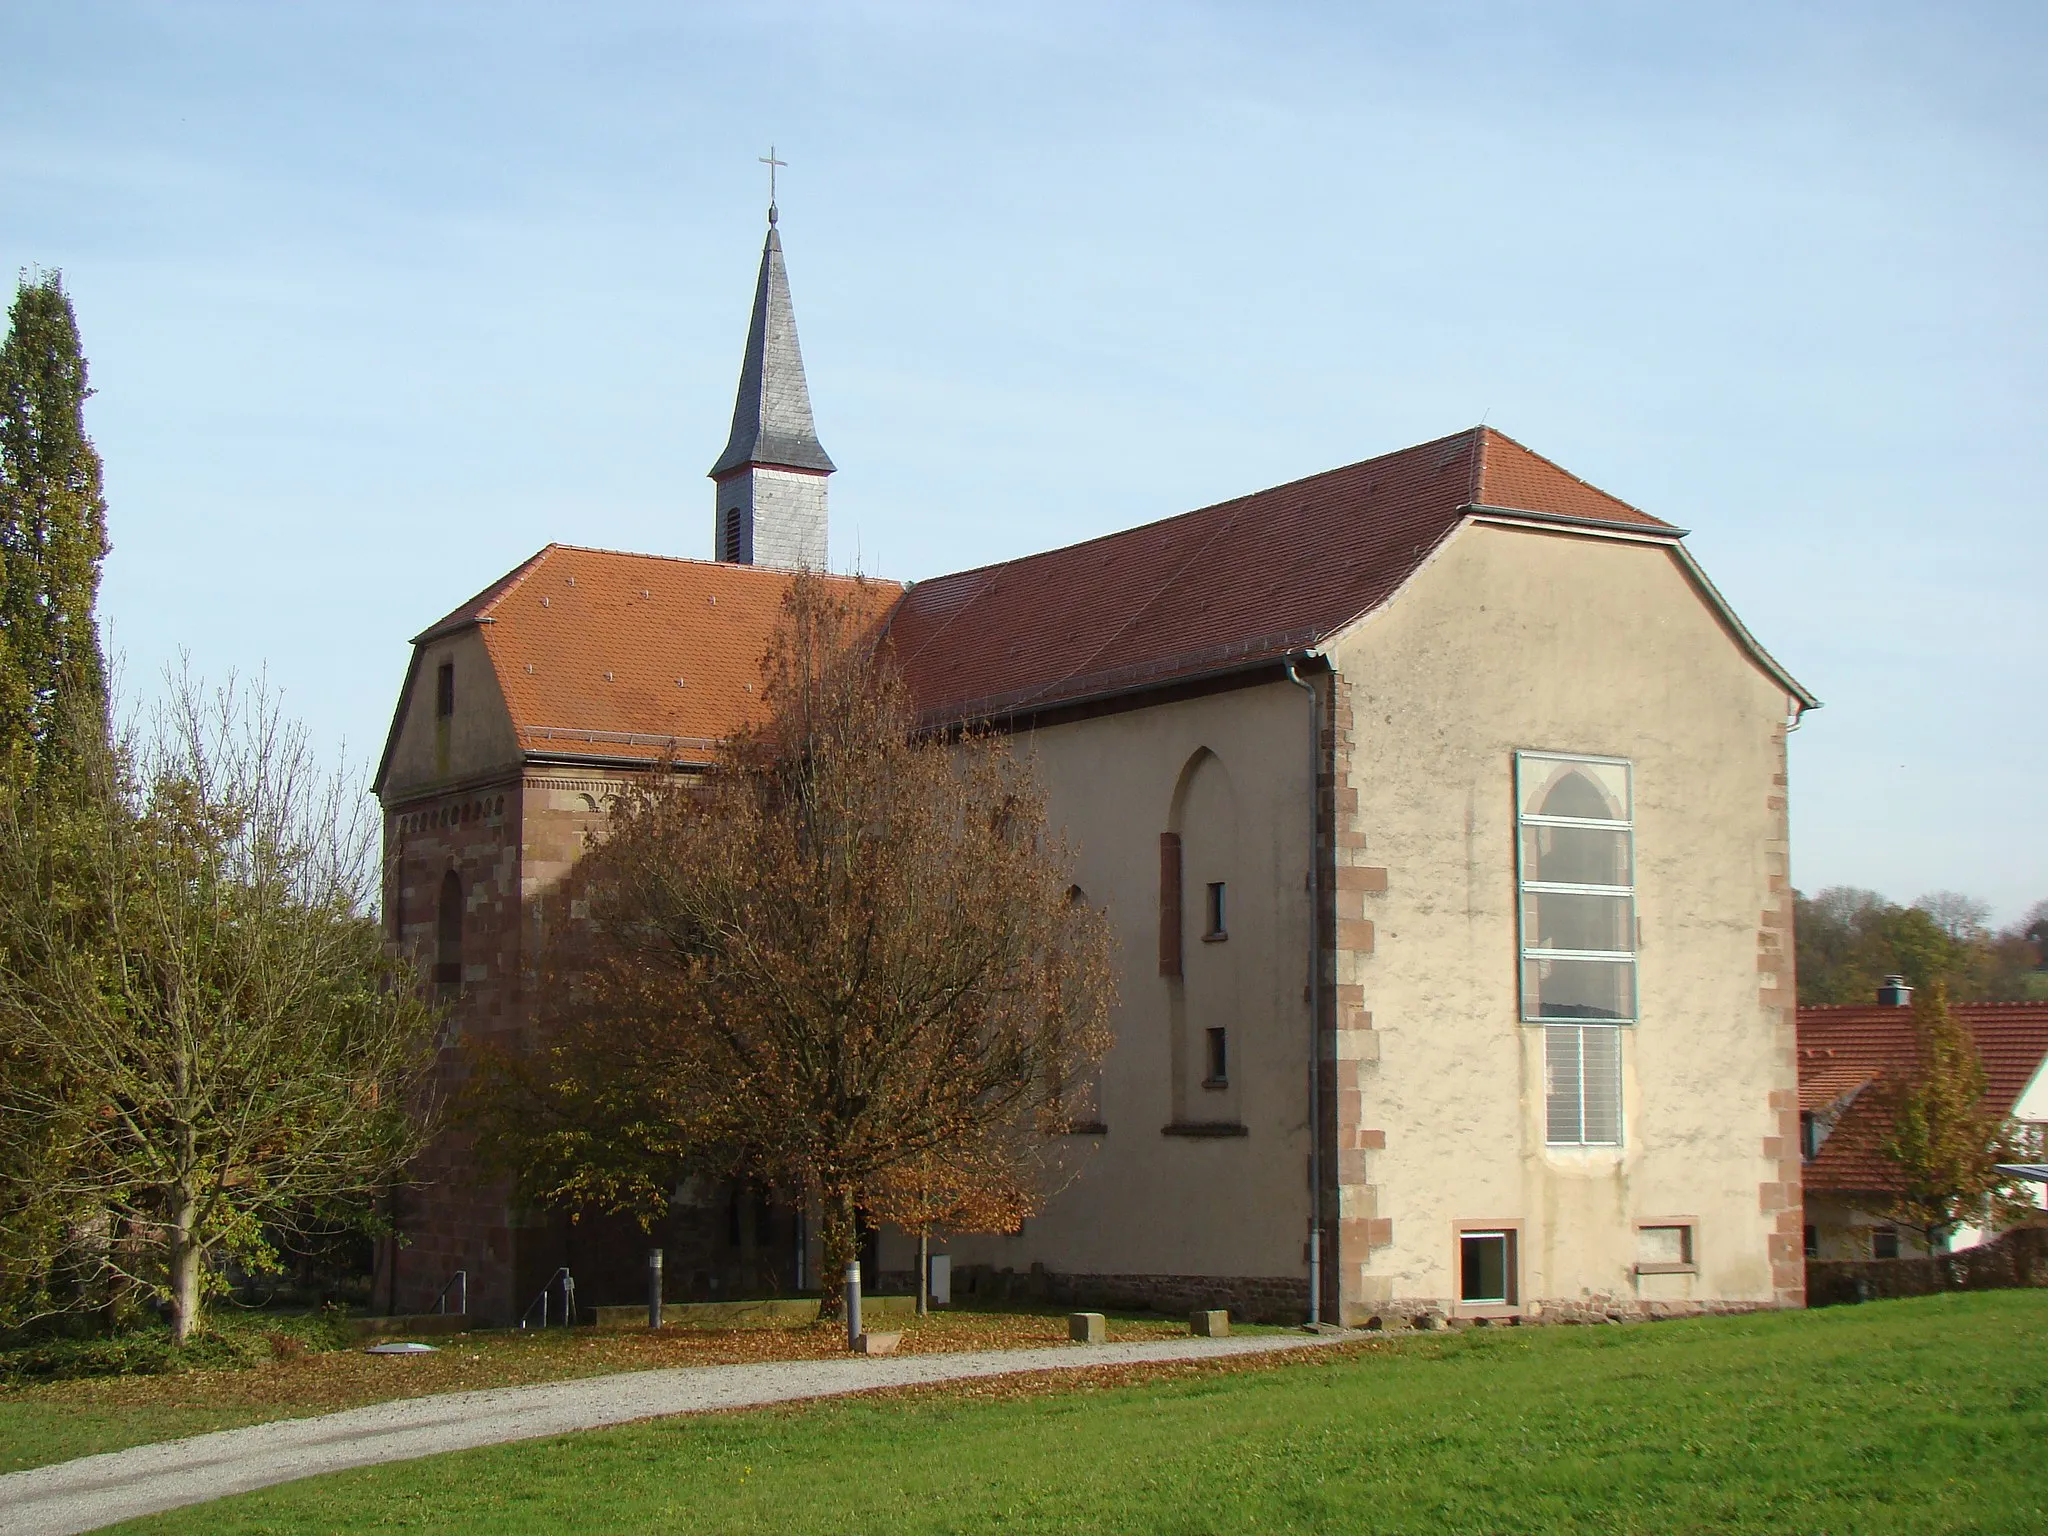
518	578
1214	506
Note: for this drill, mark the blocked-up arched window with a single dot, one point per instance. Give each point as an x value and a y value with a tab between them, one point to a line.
448	932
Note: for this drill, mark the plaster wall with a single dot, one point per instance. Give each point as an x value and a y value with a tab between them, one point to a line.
1229	773
1518	639
477	739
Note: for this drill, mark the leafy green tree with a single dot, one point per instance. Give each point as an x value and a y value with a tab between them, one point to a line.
210	1040
1946	1145
53	536
1850	939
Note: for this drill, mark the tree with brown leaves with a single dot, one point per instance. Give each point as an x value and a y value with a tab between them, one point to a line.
844	960
1946	1145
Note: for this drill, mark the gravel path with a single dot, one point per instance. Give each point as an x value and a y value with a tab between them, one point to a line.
93	1491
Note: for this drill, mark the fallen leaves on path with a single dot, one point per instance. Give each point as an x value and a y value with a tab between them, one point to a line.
328	1382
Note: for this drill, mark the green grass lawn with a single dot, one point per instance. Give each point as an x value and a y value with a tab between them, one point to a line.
1922	1415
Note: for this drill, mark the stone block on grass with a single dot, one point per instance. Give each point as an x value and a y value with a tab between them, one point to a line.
1088	1328
879	1343
1209	1325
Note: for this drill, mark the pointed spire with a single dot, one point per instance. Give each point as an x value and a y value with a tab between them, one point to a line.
771	419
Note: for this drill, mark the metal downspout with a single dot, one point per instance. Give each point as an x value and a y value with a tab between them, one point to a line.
1315	988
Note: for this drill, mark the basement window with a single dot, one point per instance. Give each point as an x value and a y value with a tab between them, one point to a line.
1665	1250
1486	1269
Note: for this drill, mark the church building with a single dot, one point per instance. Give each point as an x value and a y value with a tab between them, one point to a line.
1438	804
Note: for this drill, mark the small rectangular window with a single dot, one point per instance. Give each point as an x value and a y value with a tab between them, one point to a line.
732	536
1884	1242
1812	1235
1809	1136
1486	1268
1219	1059
444	691
1663	1249
1216	928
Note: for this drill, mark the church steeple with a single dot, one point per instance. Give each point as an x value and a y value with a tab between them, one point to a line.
771	477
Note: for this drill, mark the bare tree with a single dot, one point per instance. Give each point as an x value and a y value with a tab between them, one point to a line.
844	962
210	1039
1959	916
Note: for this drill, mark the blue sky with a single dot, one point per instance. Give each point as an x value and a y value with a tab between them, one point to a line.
380	298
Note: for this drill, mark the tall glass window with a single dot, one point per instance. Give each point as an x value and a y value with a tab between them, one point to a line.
1576	869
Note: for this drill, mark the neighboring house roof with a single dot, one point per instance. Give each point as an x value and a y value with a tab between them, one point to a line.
610	656
1845	1049
1232	586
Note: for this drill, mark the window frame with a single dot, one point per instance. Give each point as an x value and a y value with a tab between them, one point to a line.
1690	1245
1216	912
1511	1230
1216	1045
1525	887
1552	1033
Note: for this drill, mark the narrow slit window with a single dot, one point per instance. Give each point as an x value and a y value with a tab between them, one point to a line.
444	691
1216	930
732	536
1219	1059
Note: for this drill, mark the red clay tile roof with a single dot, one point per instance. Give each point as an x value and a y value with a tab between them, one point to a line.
609	655
1243	583
1237	583
1843	1048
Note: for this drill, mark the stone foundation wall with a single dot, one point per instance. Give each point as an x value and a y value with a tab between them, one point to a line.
1248	1298
1435	1312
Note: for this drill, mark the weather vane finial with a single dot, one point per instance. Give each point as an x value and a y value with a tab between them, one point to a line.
771	162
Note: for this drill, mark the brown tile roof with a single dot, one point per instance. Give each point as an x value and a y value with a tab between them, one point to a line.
609	655
1842	1049
588	644
1237	583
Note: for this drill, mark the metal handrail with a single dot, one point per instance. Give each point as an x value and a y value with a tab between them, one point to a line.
568	1284
459	1284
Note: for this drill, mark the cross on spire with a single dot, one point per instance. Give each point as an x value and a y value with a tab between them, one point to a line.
771	162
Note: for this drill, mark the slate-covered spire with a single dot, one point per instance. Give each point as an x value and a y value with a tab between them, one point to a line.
771	419
771	477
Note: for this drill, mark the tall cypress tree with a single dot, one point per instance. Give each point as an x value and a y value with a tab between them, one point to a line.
53	536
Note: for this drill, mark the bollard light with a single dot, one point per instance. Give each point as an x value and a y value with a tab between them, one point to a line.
853	1329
